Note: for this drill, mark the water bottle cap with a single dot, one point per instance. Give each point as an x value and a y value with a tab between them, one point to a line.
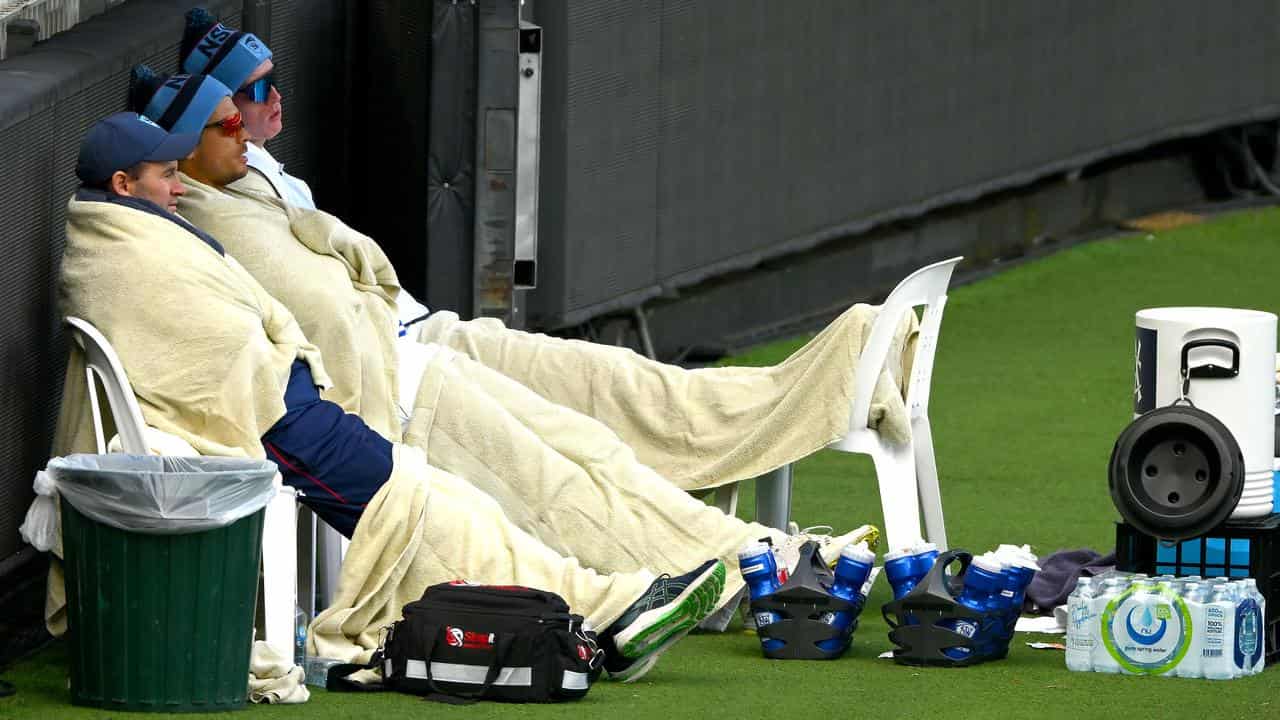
753	549
1084	582
1025	560
1249	583
897	554
924	547
858	552
989	564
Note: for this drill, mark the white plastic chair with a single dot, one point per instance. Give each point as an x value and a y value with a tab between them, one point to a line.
907	473
279	549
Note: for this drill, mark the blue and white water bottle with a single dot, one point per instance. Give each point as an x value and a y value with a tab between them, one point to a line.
851	573
982	581
906	567
759	569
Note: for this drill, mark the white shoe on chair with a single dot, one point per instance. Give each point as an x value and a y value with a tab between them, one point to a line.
829	546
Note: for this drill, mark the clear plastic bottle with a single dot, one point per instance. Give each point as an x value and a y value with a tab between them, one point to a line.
299	636
1143	594
1102	660
1193	594
1166	590
1080	622
1258	628
1219	635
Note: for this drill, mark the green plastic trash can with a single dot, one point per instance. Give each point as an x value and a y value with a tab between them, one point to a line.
160	619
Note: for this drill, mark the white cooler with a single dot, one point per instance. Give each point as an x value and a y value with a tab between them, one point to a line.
1234	353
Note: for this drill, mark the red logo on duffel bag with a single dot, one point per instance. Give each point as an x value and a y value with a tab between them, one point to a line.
457	637
583	653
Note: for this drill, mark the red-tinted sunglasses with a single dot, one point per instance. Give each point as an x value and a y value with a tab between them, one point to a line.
230	124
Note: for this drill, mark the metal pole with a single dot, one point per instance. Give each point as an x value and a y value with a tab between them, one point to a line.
497	100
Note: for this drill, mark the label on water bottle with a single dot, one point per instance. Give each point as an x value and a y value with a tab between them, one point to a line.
1248	649
1079	623
1146	633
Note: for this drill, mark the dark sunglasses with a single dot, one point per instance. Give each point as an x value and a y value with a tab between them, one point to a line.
258	90
230	124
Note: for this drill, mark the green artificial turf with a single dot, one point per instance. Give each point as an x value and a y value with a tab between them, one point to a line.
1032	384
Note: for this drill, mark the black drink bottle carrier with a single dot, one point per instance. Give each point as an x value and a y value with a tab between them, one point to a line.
917	621
801	603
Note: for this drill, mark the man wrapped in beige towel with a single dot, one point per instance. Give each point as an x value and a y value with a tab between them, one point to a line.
697	429
218	362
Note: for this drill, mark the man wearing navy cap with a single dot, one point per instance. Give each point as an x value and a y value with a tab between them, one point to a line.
129	156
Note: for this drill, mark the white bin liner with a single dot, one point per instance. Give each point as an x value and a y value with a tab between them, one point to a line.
151	494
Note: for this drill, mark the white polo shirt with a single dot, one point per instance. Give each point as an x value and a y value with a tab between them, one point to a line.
289	188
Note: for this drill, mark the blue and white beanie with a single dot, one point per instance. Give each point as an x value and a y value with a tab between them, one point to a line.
178	103
211	48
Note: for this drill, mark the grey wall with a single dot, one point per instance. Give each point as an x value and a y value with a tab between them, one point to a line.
686	139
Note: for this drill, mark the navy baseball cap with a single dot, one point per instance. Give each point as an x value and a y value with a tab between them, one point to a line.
120	141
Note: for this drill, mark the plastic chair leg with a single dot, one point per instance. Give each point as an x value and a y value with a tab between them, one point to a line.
329	552
727	499
927	482
279	570
773	498
896	474
308	568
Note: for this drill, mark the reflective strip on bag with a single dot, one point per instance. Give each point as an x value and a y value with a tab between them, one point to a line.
470	674
574	681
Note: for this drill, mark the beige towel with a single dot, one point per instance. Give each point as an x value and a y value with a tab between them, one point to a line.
566	479
274	679
207	350
338	283
700	428
426	526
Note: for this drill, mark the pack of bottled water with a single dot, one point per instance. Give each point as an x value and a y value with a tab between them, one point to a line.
1172	626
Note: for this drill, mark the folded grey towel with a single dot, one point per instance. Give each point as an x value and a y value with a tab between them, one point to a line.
1057	578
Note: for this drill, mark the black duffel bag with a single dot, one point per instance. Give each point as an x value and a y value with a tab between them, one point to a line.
464	642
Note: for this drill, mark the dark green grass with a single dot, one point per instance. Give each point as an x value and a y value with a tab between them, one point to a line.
1033	382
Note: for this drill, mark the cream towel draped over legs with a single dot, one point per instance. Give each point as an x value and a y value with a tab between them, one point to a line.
565	478
426	526
707	427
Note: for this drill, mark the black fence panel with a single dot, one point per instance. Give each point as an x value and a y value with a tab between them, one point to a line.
683	140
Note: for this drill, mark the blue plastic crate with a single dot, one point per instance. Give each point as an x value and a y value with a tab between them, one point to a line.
1234	549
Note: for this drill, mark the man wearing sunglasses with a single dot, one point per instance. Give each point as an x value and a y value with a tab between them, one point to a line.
241	61
216	361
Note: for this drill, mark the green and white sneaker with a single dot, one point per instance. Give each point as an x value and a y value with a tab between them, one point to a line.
666	612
